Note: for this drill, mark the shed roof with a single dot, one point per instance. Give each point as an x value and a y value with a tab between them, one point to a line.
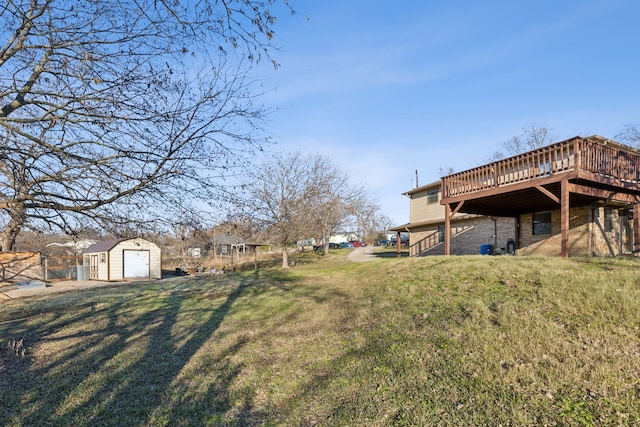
104	246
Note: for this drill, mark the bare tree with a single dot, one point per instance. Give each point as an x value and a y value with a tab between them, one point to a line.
630	135
276	200
532	137
370	222
330	199
297	196
108	106
446	170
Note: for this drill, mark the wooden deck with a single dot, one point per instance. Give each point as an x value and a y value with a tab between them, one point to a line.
575	172
608	162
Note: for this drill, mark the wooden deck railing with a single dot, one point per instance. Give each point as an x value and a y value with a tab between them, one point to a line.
611	161
586	154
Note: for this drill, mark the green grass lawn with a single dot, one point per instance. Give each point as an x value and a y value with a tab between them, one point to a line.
459	341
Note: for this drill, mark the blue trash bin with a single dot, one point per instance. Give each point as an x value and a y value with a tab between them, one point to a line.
486	249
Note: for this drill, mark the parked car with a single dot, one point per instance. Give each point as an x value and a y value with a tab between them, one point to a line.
382	242
403	240
357	243
346	245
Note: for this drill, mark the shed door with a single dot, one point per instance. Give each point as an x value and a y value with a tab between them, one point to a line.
136	264
93	267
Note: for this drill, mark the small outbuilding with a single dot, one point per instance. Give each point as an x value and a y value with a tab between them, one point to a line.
122	259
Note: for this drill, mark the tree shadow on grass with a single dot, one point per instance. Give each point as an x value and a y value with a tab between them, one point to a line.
148	358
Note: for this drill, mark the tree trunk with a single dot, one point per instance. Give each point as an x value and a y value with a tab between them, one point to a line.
285	259
325	248
8	236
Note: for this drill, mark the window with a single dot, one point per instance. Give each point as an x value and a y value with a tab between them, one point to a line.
541	223
440	233
103	258
432	196
608	220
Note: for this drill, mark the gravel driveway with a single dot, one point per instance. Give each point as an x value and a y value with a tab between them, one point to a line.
362	254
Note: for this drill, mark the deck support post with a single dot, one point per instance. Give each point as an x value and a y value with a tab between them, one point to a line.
448	215
398	245
447	229
564	218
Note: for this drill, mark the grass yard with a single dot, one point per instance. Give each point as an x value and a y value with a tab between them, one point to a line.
458	341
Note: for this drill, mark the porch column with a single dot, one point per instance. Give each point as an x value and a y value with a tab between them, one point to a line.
564	218
447	229
398	245
636	229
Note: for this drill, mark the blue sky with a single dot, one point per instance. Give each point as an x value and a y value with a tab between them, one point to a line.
387	88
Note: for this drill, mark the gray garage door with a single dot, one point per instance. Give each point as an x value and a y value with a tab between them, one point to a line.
136	264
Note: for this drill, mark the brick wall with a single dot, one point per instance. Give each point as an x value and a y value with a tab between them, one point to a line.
588	235
611	239
466	236
550	244
425	241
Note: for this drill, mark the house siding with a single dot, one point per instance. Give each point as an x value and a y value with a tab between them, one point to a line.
116	262
420	208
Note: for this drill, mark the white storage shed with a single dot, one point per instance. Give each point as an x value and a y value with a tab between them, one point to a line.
123	259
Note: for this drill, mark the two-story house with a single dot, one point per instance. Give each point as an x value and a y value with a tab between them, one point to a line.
575	197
